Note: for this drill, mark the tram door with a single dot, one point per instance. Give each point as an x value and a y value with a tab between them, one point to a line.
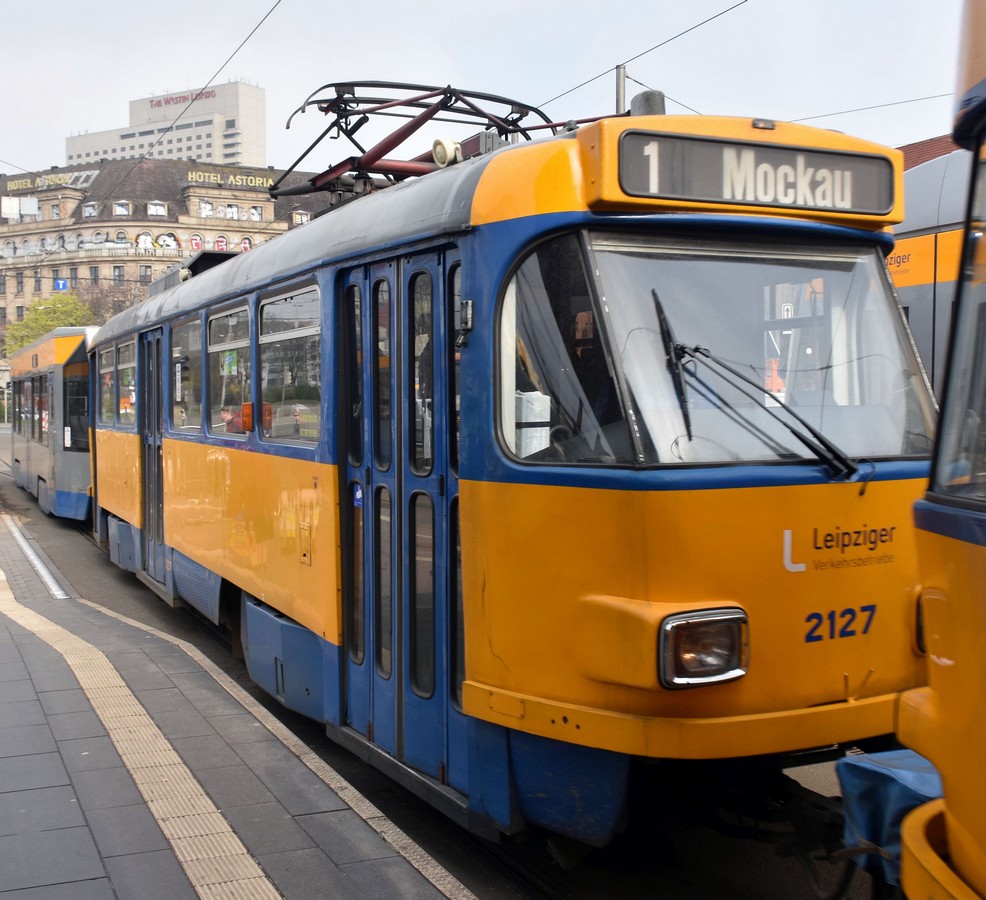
396	496
152	418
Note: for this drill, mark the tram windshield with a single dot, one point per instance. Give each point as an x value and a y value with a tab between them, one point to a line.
641	349
960	467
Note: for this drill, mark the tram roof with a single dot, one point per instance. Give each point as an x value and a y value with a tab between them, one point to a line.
935	194
440	203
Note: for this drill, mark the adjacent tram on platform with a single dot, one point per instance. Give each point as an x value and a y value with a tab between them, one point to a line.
943	841
540	463
50	422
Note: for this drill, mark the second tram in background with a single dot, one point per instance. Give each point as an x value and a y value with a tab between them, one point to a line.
559	461
50	422
924	263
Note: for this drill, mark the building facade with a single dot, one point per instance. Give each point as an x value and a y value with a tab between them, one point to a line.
225	124
105	231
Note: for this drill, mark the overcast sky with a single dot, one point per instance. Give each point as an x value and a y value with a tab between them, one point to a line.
73	68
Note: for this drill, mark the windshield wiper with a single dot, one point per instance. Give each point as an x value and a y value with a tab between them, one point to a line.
674	354
818	443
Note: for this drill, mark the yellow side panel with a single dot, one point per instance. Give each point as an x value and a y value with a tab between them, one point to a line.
945	721
53	351
118	474
565	590
949	255
266	523
913	261
924	869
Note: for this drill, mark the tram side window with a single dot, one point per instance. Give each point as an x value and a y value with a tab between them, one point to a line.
107	387
961	467
40	423
422	373
558	399
186	372
127	379
75	391
354	306
291	362
454	363
229	371
20	390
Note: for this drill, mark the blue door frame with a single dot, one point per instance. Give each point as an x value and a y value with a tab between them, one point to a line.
398	489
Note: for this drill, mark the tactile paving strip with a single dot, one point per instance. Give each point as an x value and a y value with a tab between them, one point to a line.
213	857
169	801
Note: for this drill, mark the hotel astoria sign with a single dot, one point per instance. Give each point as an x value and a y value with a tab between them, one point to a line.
231	179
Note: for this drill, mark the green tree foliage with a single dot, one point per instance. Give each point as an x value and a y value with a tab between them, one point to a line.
53	312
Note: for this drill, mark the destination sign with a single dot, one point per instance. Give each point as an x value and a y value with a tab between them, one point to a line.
712	171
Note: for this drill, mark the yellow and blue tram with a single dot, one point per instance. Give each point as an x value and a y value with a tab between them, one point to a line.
50	421
588	452
943	841
925	804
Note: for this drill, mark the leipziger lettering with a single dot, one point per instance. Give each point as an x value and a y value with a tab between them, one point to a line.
746	179
845	539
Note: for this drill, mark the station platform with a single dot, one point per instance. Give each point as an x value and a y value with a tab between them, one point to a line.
132	767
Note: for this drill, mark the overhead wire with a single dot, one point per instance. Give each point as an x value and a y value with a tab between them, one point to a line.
846	112
644	52
691	109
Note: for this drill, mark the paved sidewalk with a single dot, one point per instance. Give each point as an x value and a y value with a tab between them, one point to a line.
130	767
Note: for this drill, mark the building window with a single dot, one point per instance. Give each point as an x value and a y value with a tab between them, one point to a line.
3	290
257	213
56	210
54	279
94	274
20	313
3	315
156	208
117	274
73	277
232	211
300	218
19	284
121	207
37	281
121	237
205	208
88	210
145	274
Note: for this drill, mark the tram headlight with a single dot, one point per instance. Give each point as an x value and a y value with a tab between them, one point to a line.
706	646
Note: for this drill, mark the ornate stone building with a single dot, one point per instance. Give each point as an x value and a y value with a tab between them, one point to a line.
106	230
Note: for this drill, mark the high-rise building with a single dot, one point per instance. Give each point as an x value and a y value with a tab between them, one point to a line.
224	124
